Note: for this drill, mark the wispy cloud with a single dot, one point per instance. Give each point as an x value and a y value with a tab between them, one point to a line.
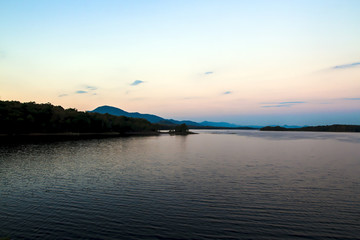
81	92
277	106
351	65
296	102
136	82
208	73
352	99
227	92
91	88
191	98
84	89
282	104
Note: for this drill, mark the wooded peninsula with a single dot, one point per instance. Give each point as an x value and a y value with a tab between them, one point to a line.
28	118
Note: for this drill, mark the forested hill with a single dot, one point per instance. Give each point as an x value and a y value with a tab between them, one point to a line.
326	128
16	117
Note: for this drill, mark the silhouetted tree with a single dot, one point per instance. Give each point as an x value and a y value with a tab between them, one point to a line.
182	128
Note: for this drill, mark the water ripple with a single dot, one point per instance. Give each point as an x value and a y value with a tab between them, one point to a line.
205	186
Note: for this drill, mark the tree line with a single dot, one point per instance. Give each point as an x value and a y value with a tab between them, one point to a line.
17	117
326	128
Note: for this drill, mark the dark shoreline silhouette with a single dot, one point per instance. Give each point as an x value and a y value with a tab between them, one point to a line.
39	120
32	121
55	137
325	128
46	122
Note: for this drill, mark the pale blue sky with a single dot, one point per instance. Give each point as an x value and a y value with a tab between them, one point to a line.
236	61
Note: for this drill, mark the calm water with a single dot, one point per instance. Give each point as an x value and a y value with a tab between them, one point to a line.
213	185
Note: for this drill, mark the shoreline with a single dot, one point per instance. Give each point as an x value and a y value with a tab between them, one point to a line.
48	137
76	134
322	128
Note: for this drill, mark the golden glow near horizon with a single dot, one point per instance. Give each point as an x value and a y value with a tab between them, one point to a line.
236	61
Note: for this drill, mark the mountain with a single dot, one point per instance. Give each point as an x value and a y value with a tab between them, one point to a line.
156	119
187	122
118	112
218	124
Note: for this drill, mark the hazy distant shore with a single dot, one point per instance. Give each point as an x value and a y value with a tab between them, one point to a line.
326	128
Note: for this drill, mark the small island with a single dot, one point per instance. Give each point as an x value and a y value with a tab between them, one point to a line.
326	128
181	129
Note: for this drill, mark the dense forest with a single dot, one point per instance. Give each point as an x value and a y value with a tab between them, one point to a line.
326	128
19	118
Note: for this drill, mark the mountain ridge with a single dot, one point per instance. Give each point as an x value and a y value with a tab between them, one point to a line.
156	119
119	112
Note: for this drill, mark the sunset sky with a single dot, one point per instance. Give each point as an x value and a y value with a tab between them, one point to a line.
244	62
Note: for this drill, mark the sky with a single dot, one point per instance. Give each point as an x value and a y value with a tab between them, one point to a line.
258	62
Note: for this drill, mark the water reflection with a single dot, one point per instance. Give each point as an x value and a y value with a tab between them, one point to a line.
228	185
273	135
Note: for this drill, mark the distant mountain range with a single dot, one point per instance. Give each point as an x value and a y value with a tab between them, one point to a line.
156	119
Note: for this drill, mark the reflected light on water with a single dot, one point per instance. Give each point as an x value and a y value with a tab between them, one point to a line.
212	185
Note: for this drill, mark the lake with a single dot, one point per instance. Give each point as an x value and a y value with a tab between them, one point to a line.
219	184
